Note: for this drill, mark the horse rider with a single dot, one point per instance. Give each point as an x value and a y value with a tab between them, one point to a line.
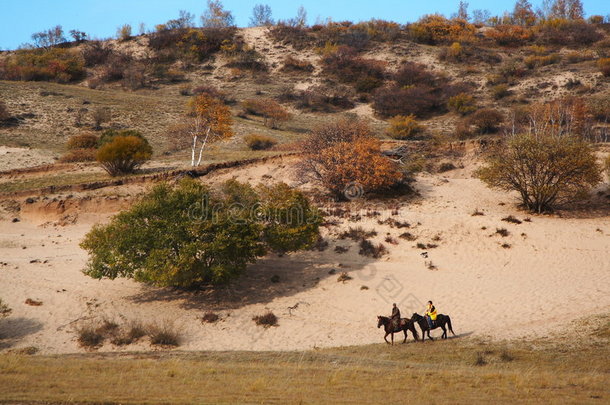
395	316
430	314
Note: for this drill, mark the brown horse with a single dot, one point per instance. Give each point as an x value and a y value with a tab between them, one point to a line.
389	327
441	321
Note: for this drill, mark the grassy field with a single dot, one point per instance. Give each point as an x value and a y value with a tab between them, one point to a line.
454	371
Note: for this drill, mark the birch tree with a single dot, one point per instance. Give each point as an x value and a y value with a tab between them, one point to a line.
209	121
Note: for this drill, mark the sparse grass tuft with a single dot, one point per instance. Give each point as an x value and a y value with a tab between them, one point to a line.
357	234
164	335
479	359
343	277
511	219
502	232
89	337
368	249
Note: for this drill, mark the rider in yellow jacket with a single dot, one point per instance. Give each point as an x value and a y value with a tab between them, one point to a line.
430	314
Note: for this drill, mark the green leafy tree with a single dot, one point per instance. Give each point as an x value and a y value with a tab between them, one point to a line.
545	170
187	235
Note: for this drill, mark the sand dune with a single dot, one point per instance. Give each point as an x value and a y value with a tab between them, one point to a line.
554	271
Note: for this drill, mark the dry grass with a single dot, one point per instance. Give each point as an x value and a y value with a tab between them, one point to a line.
367	374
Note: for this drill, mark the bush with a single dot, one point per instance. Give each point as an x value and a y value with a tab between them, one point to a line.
545	170
96	53
296	36
269	109
368	249
604	66
210	317
82	141
124	154
123	33
321	98
164	335
345	64
266	320
292	64
79	155
436	29
511	35
89	337
453	53
101	115
568	33
344	154
56	64
415	100
109	135
404	127
260	142
172	237
487	120
536	60
462	104
500	91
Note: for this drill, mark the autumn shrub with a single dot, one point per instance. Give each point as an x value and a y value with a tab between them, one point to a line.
109	135
321	98
348	67
404	127
535	61
453	53
55	64
545	170
123	154
246	58
259	142
599	107
96	53
564	32
486	120
82	141
163	335
211	91
368	249
79	155
412	73
511	35
436	29
604	66
190	44
296	36
188	235
345	153
100	116
272	112
417	100
500	91
292	64
116	67
462	104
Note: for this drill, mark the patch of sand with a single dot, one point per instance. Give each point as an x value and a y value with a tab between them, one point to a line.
18	158
556	270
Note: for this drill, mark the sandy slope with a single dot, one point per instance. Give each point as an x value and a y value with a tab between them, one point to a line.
557	269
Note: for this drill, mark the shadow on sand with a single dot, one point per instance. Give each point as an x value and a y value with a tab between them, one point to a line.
295	273
14	329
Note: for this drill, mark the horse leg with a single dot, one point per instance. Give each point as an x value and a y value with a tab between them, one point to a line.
386	337
430	337
444	335
392	338
405	341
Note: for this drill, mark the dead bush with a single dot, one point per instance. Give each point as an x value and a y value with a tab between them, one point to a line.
292	64
266	320
368	249
357	234
259	142
89	337
210	317
96	53
163	335
4	114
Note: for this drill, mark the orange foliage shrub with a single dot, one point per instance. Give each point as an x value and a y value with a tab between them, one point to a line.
57	64
435	29
82	141
124	154
269	109
404	127
511	35
79	155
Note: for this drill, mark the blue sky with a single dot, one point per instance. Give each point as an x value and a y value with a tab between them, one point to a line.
100	18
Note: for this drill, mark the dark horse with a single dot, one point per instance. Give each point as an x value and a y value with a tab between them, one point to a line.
441	321
404	325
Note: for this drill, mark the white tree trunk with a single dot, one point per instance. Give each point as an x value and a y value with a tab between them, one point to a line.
193	150
203	146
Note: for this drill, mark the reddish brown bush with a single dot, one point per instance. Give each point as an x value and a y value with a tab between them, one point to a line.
96	53
486	120
292	64
82	141
566	32
296	36
321	98
259	142
411	73
56	64
348	67
269	109
419	100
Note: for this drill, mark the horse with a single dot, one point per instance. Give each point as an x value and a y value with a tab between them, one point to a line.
441	321
404	325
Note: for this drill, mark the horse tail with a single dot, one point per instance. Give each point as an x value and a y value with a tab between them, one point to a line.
449	324
414	330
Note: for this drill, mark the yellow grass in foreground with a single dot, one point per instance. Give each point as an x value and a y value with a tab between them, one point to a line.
441	372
